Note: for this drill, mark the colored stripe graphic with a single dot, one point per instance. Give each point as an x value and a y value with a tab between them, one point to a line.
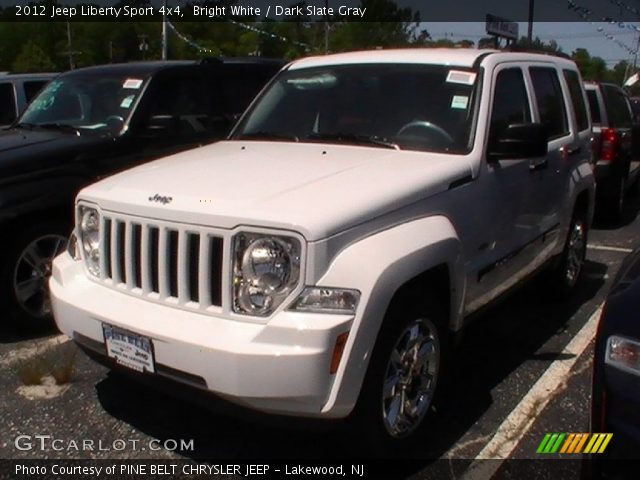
573	443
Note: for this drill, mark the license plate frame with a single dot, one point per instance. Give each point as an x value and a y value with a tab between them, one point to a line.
129	349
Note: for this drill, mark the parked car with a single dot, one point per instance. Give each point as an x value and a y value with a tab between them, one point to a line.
87	124
615	399
16	91
363	208
616	139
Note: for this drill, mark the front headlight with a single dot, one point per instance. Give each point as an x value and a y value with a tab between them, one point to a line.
90	238
266	269
623	353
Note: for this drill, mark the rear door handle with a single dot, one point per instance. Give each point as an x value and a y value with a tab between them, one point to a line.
541	165
574	150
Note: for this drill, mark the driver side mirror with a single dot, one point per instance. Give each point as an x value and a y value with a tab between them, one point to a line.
519	140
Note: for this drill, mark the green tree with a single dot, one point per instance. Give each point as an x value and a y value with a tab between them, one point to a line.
591	68
32	59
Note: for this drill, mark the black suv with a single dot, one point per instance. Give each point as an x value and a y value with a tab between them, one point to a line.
90	123
16	91
616	139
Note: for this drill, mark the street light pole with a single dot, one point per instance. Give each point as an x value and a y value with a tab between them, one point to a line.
530	29
164	32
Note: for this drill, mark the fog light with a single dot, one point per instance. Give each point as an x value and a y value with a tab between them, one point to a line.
327	300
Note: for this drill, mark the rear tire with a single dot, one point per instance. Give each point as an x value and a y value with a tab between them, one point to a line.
404	380
25	272
614	200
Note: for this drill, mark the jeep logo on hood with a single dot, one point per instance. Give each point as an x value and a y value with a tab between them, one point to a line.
160	199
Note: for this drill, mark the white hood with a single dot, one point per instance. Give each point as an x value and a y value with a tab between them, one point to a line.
315	189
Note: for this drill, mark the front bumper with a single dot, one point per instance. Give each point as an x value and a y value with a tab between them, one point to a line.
278	367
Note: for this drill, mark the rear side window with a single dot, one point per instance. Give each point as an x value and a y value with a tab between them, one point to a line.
575	91
618	109
7	104
592	96
32	88
510	102
549	100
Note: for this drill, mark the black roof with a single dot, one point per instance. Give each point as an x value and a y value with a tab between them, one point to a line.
143	69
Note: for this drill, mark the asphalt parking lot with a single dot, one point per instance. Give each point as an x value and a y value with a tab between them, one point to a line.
522	370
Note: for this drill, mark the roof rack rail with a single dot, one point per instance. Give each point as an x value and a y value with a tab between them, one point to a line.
524	49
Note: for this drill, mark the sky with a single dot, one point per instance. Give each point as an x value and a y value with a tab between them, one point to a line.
464	19
569	35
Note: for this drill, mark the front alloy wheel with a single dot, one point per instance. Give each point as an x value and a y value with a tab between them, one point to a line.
410	378
32	271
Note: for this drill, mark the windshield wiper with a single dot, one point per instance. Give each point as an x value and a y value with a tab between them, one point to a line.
59	126
25	125
356	138
265	135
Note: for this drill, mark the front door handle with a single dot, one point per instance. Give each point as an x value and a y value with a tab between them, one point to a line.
541	165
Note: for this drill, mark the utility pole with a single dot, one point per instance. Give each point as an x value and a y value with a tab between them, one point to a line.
164	32
530	29
326	27
70	52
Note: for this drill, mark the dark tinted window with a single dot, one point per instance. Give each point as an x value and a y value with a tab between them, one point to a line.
182	103
242	83
553	114
510	102
592	96
575	90
618	110
32	88
7	104
417	107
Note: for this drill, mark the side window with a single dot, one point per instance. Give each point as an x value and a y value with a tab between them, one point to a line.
575	90
7	104
550	102
32	88
510	102
618	109
594	107
179	104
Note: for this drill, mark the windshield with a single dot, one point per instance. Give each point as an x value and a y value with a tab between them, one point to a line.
402	106
100	103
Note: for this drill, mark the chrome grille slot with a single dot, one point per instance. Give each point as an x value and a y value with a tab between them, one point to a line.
181	265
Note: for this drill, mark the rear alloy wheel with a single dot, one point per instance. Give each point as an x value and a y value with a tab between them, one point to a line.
410	378
575	252
31	274
565	275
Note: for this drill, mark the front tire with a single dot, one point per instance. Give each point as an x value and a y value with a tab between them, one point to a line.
25	273
404	379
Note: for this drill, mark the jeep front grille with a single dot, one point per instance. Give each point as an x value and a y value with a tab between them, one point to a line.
174	263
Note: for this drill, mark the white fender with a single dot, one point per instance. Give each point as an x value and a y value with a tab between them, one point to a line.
378	266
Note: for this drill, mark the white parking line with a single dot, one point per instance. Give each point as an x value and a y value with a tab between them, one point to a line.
516	425
607	248
35	348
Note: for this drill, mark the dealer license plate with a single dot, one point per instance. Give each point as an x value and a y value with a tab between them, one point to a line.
129	349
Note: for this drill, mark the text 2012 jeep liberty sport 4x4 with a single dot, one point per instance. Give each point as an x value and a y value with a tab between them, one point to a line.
317	263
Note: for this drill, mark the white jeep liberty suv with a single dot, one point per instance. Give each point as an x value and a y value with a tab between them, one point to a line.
318	262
